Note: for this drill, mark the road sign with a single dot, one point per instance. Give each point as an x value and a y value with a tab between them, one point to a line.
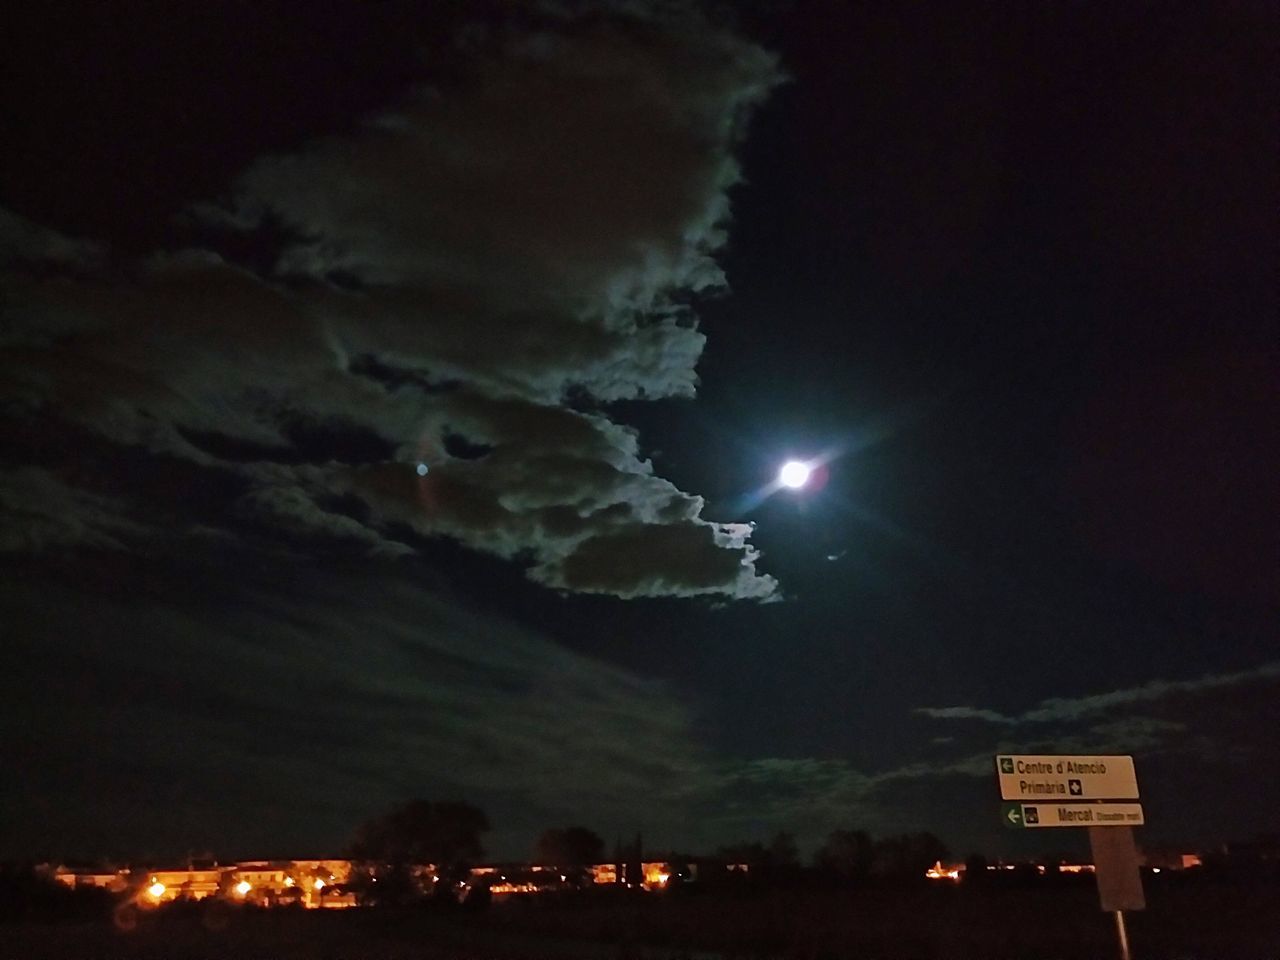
1019	815
1040	778
1048	789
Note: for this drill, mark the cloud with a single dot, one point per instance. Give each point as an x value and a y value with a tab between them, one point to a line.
591	161
1059	709
963	713
1073	708
20	239
446	276
1138	733
681	559
349	690
354	691
292	509
39	513
812	796
1172	726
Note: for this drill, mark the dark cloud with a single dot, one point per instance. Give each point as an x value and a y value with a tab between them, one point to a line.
45	514
444	277
352	690
22	240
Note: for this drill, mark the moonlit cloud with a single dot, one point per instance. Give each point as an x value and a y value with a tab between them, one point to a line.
449	274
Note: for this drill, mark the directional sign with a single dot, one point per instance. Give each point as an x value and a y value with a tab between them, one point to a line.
1049	778
1019	815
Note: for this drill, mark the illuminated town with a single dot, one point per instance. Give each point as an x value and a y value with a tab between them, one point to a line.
333	884
338	883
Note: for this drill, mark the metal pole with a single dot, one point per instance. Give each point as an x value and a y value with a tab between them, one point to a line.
1123	935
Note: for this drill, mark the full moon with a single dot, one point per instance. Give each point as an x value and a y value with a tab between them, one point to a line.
794	474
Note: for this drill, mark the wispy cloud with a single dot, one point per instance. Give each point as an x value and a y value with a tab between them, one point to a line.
964	713
40	512
1058	709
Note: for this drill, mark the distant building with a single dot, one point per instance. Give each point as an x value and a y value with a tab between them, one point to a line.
1163	859
604	873
163	886
115	881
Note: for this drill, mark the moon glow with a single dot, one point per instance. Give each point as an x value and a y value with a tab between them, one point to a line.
794	474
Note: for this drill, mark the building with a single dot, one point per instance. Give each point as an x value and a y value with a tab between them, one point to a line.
115	881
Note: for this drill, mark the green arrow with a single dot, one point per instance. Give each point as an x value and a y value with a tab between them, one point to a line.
1012	815
1006	764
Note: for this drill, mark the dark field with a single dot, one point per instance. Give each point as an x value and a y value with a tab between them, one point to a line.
1205	922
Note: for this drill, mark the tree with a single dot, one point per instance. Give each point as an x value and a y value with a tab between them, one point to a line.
908	855
570	848
782	851
975	869
776	863
752	854
847	854
419	832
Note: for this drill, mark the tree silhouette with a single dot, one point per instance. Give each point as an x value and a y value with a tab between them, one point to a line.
752	854
569	848
908	855
782	852
421	832
846	854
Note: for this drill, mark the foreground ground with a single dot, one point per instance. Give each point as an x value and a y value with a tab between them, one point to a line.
1188	922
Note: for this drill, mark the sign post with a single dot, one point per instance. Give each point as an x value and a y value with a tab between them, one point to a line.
1115	864
1048	791
1123	936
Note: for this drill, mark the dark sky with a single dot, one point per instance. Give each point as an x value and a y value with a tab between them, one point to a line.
1009	269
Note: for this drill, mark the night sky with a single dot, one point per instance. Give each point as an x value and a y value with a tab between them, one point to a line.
393	395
